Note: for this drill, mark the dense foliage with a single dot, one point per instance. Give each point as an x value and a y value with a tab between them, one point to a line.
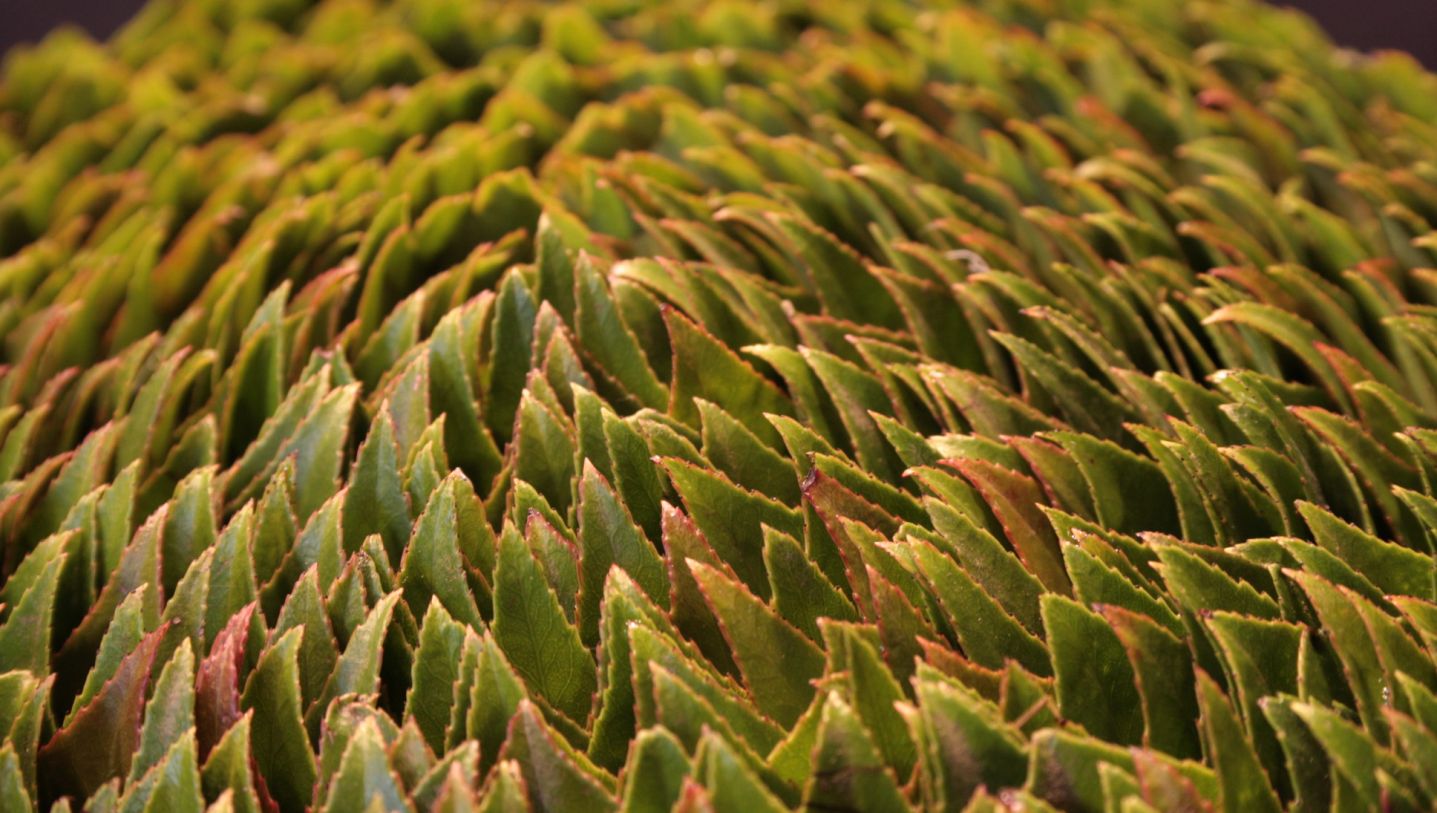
730	405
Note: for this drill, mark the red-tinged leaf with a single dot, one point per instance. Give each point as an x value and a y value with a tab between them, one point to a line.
101	738
1015	499
688	609
217	681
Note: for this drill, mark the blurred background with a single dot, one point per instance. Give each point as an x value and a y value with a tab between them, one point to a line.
1408	25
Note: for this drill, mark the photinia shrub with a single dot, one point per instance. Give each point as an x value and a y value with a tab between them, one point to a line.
717	405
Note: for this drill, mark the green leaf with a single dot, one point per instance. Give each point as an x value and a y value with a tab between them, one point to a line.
706	369
505	793
1116	478
536	637
511	356
1163	674
963	745
731	519
848	772
874	696
987	633
318	652
1242	783
608	340
1392	568
230	770
217	681
1095	681
993	566
357	670
25	636
543	451
801	593
433	565
170	714
451	391
557	777
609	538
436	670
732	784
319	446
364	775
636	478
280	744
172	785
738	452
1014	500
375	501
654	774
776	661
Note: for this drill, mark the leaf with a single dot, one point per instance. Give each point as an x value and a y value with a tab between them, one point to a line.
543	451
433	565
170	714
1088	406
654	774
217	681
801	593
436	670
172	785
556	777
512	355
993	566
318	652
1115	478
705	369
732	784
637	481
875	695
847	770
1163	674
1391	567
451	391
506	792
739	453
780	685
609	538
731	519
357	670
987	633
319	446
13	794
280	745
25	636
963	745
375	500
605	337
229	769
857	396
534	634
98	741
364	775
1095	682
1242	783
1014	499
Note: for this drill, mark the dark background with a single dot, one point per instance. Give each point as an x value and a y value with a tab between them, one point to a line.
1408	25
